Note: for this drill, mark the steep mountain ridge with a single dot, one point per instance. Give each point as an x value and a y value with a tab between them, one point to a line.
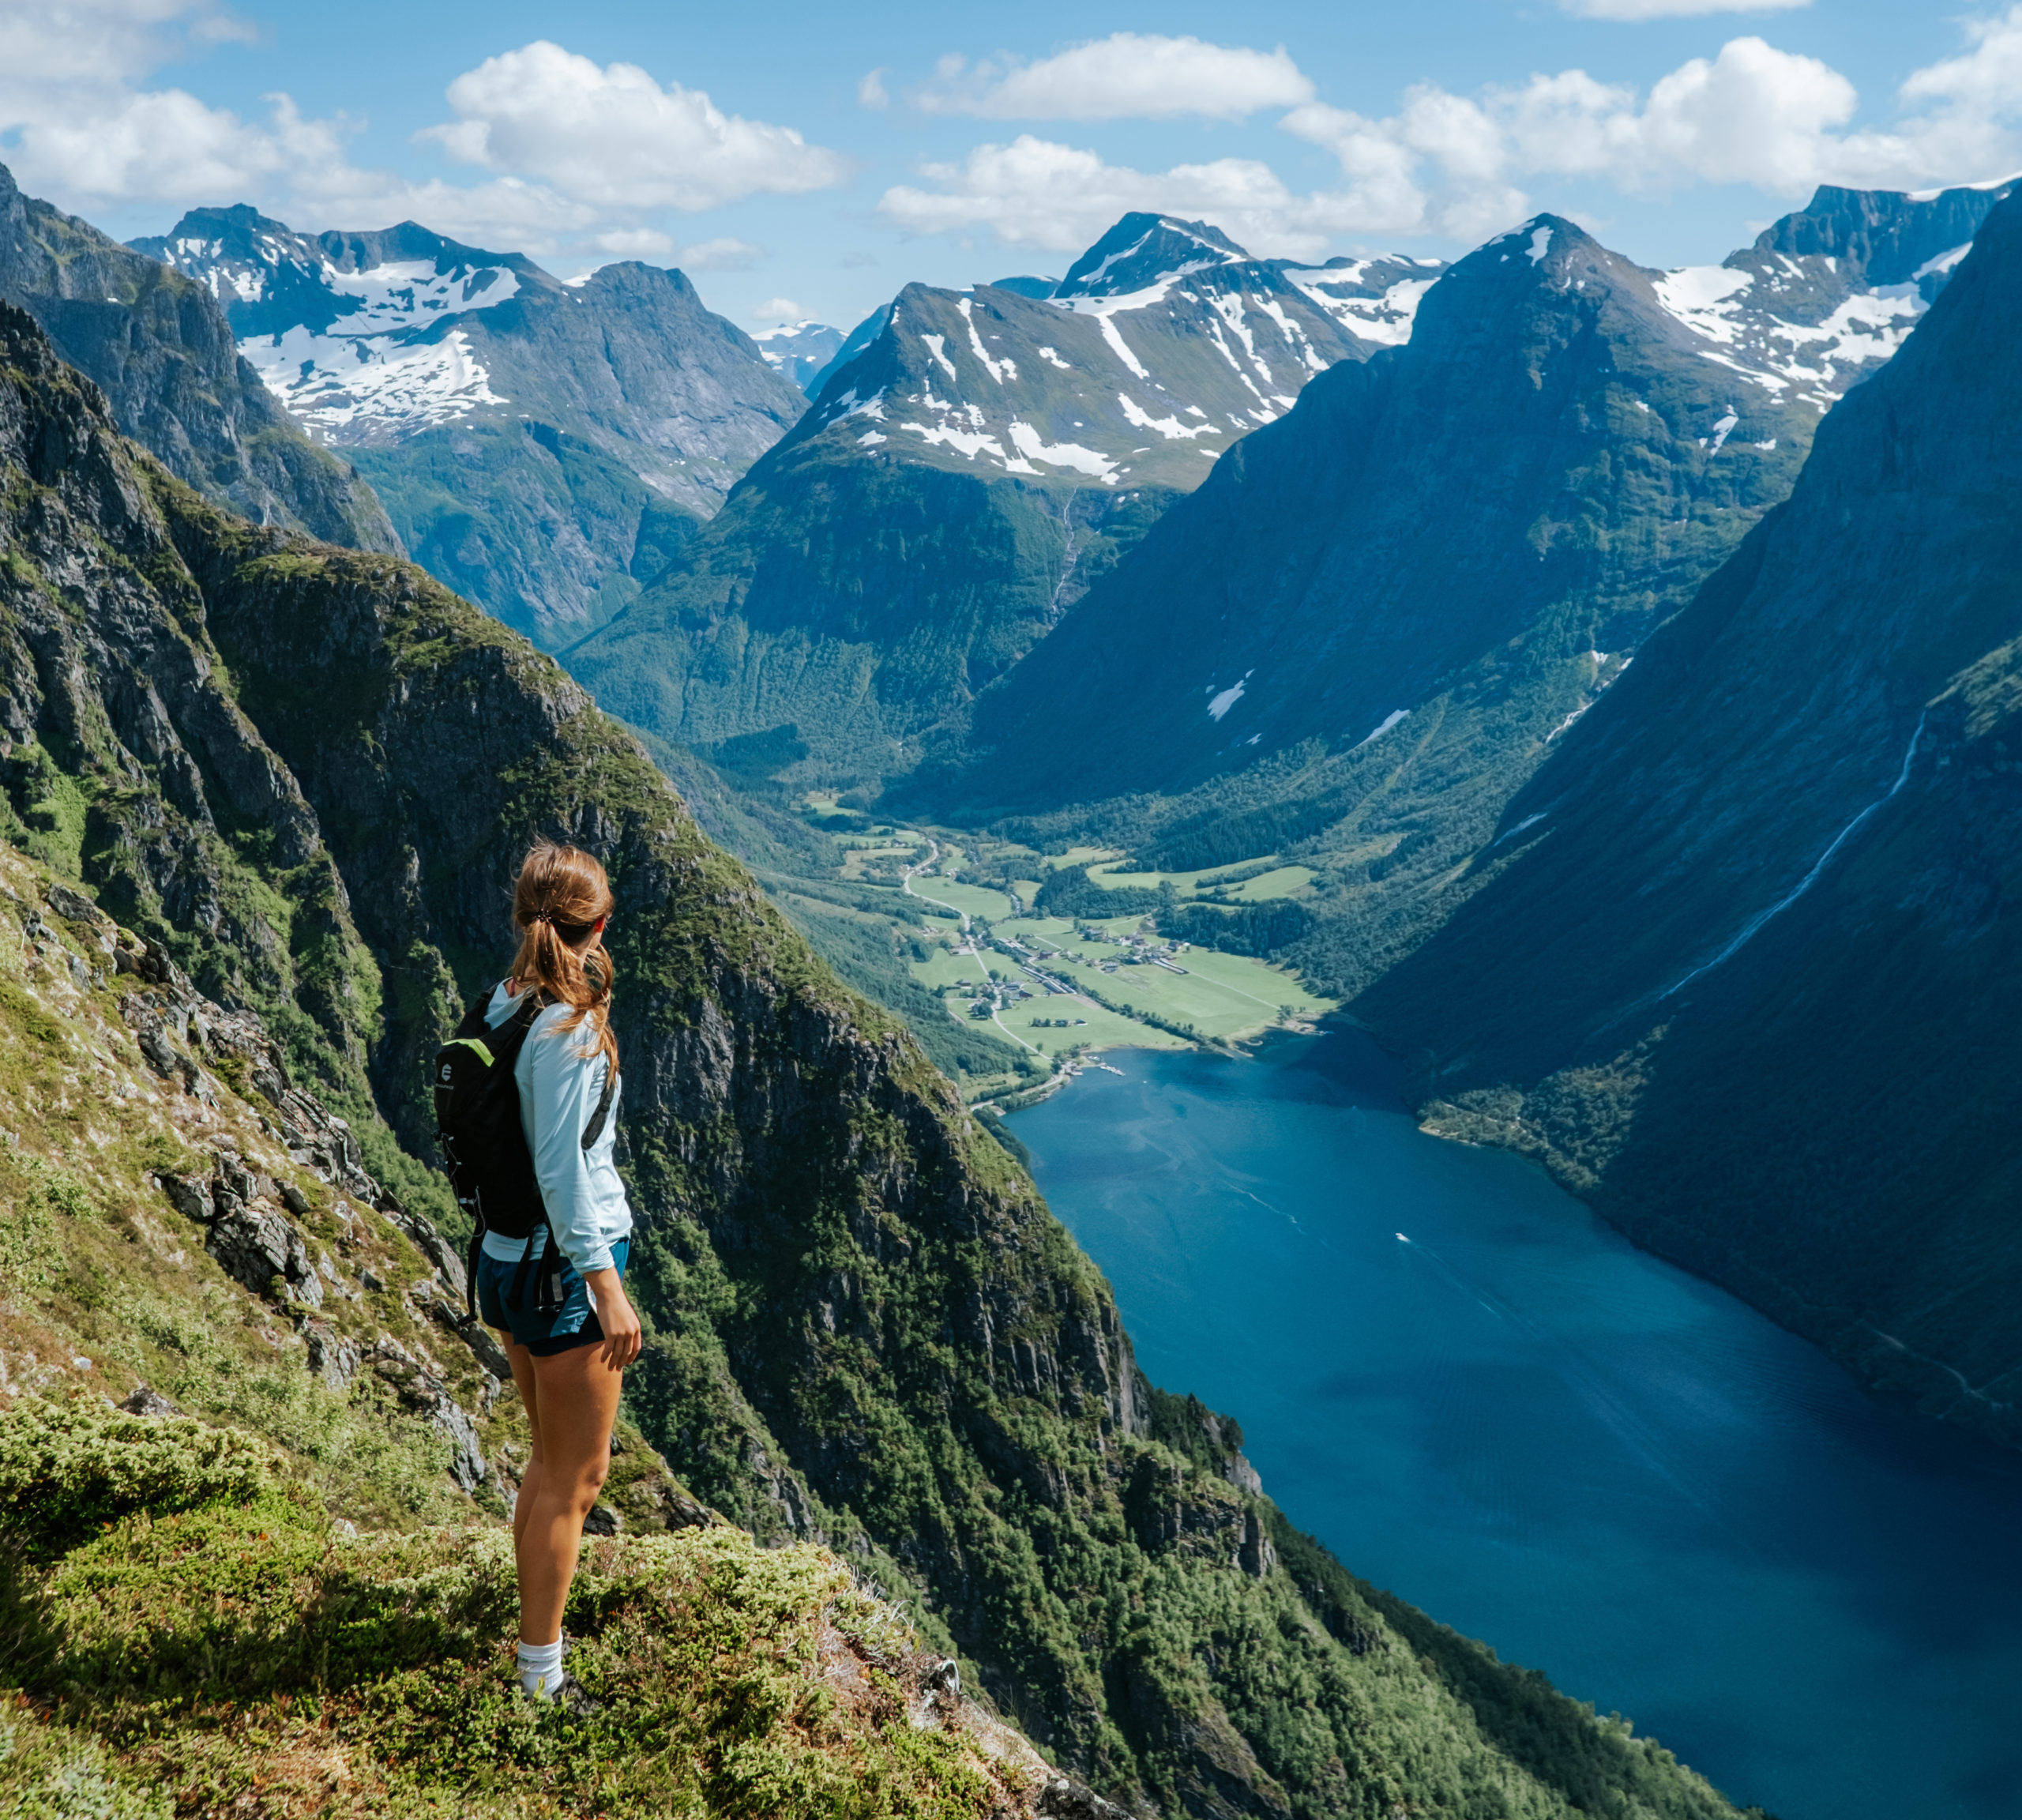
865	1328
1765	891
163	352
544	446
1831	290
959	482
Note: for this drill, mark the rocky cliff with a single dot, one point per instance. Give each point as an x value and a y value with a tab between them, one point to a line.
1743	967
866	1330
160	348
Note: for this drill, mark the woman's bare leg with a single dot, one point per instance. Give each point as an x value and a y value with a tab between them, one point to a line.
573	1404
523	1376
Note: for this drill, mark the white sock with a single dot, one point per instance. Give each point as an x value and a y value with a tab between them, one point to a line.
540	1668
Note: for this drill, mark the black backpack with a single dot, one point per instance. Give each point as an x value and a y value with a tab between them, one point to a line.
484	1145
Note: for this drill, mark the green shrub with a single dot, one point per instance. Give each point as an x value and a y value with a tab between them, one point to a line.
49	1772
67	1470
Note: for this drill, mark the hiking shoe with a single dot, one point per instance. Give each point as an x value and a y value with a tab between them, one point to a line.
568	1692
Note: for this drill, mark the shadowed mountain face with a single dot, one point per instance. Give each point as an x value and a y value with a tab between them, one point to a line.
960	483
160	348
1354	643
1546	442
1745	968
867	1329
544	448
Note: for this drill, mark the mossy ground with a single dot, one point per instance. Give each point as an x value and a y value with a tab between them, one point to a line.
248	1655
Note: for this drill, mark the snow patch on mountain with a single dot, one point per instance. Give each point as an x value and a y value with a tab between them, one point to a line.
1756	320
336	382
1384	317
1221	704
1382	727
1169	427
1029	443
968	442
997	370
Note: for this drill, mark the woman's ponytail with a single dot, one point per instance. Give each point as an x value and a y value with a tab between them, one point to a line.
560	897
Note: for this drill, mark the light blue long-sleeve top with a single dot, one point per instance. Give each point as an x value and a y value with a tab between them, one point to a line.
559	1087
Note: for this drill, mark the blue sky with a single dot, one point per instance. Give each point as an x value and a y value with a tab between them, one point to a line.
814	158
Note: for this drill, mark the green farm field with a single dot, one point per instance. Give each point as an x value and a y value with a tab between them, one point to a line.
1224	996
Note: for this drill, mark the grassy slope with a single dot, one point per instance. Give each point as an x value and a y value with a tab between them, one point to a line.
199	1637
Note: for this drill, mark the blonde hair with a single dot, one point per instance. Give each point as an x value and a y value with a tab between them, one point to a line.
560	897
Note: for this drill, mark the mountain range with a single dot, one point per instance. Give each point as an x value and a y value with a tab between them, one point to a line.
801	352
1469	537
962	478
543	448
257	867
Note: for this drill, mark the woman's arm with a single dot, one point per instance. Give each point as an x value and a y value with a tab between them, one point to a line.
564	1085
622	1338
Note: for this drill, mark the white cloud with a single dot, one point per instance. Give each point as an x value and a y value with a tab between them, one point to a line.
1464	166
55	43
1640	10
870	91
722	254
1057	198
779	310
612	137
582	158
1127	76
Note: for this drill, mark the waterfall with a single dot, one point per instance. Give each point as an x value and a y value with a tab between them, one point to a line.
1811	878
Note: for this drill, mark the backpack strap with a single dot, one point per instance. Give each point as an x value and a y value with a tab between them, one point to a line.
592	1131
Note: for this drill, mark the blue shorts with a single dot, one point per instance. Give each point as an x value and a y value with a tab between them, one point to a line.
555	1328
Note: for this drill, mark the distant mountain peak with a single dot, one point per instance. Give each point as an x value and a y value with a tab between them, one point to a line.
543	446
800	351
1143	250
1884	236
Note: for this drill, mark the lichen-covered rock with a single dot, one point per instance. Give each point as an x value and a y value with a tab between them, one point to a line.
256	1246
421	1391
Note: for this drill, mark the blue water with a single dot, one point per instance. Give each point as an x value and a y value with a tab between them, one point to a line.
1606	1468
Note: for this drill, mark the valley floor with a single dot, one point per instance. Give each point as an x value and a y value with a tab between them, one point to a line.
1062	987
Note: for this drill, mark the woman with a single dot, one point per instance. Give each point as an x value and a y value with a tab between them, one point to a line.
568	1349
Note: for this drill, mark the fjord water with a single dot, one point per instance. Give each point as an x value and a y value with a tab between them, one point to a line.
1480	1396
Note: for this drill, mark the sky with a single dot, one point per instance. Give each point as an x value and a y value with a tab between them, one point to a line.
807	160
